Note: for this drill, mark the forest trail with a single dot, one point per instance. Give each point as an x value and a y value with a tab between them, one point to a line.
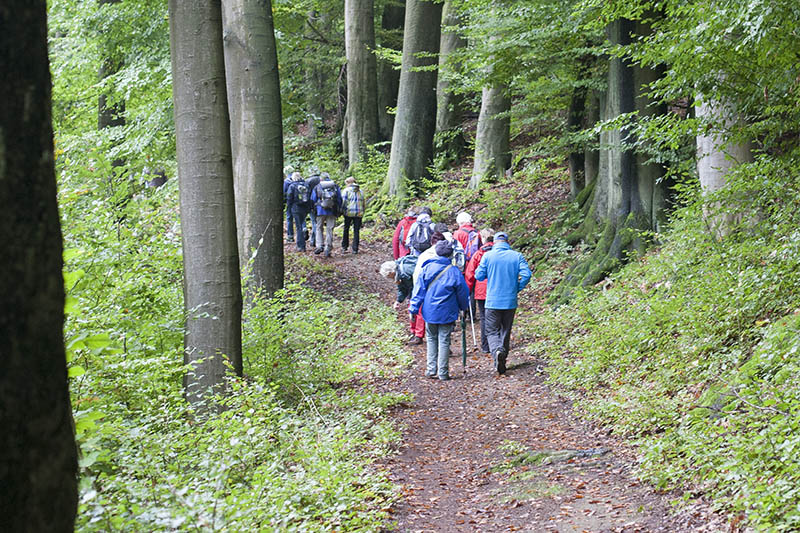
460	465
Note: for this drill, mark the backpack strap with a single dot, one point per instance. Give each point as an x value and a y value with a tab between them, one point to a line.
439	275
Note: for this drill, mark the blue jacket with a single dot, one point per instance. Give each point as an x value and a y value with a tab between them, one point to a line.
316	197
506	272
442	300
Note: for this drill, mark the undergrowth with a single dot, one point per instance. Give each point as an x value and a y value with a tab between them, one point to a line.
693	350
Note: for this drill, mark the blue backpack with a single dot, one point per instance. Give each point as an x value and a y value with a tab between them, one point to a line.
473	244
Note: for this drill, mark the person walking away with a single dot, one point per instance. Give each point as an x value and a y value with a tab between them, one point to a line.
399	248
440	295
327	198
419	234
402	272
467	235
506	273
312	182
298	198
354	206
459	257
418	322
288	170
478	288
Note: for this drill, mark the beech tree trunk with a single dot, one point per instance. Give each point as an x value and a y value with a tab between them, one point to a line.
316	75
449	106
361	117
254	101
391	36
716	156
591	153
38	457
415	123
492	152
211	286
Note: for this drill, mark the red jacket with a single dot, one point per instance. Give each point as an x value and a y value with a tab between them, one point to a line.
469	273
400	233
462	235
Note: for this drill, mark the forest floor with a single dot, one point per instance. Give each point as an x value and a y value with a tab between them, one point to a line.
462	462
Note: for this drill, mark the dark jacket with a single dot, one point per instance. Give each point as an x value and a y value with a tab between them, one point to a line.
440	300
316	197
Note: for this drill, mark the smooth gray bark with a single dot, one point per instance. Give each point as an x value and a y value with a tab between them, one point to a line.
211	287
412	139
254	102
391	36
38	456
492	151
449	105
361	117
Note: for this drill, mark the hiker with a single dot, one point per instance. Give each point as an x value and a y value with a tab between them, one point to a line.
440	294
399	248
354	206
478	288
419	234
417	321
327	198
312	181
298	200
459	257
288	170
467	235
506	273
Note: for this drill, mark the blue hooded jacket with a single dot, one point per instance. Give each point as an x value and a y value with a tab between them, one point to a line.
316	196
506	272
441	301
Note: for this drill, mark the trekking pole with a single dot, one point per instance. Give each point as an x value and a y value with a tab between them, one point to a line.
472	322
464	342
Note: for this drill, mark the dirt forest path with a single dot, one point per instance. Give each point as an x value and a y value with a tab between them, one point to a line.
455	464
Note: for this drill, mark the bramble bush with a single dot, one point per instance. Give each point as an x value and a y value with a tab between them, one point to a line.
693	350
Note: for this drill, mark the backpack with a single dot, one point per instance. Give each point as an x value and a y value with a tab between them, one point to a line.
301	192
459	257
421	238
473	244
354	202
405	267
327	195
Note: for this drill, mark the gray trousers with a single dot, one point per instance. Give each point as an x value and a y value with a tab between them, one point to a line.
498	328
325	224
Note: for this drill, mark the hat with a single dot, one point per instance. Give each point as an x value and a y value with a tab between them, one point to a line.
501	236
325	176
463	218
444	249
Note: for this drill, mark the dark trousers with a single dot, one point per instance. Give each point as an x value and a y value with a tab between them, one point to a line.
289	220
484	338
498	328
299	216
356	222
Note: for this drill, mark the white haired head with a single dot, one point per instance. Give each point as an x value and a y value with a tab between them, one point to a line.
388	268
463	218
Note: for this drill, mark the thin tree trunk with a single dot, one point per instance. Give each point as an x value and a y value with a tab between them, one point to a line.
576	118
591	153
391	36
361	118
254	101
449	105
211	287
38	462
415	123
492	151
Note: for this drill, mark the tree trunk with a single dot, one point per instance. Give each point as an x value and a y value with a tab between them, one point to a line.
449	106
114	114
316	76
716	156
591	153
391	36
576	117
38	463
415	123
211	287
492	152
254	101
361	117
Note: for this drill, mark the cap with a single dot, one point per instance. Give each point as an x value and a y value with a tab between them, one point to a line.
501	236
444	249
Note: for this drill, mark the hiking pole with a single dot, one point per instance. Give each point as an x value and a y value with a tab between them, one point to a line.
464	342
472	322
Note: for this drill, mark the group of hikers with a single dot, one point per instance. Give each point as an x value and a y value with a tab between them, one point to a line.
444	274
441	274
319	198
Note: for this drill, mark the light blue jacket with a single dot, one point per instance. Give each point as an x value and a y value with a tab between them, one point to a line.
506	272
442	300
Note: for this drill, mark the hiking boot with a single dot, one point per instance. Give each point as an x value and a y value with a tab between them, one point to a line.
444	378
318	251
415	341
430	376
501	354
327	253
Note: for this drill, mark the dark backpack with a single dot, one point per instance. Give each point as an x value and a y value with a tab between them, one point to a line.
301	192
327	195
405	267
421	238
473	244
